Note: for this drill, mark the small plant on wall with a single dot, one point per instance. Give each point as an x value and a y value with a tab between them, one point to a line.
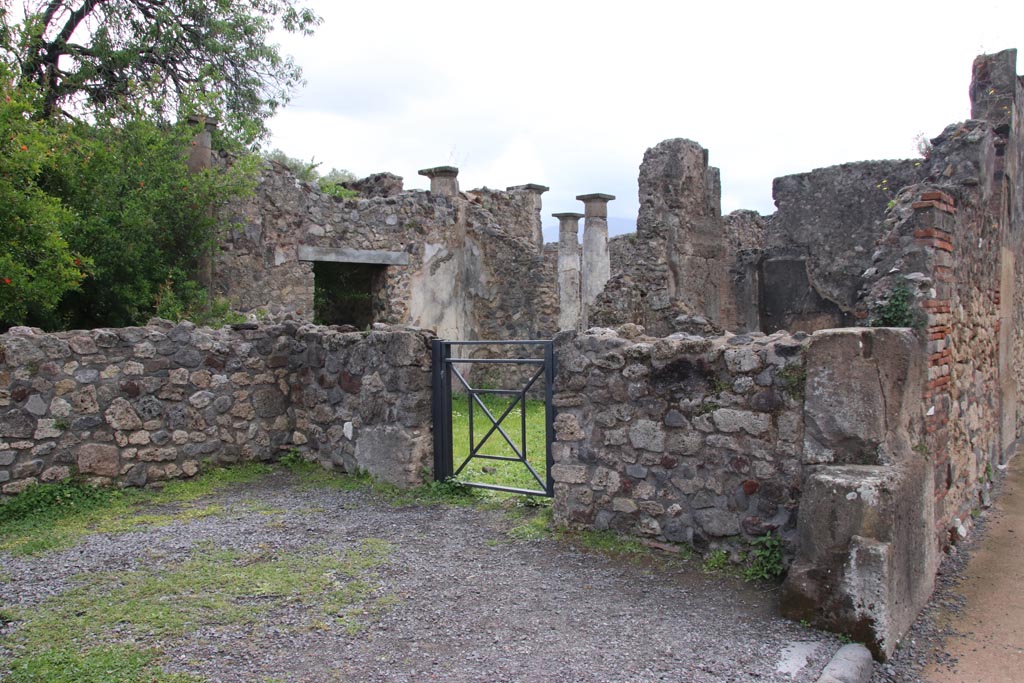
895	310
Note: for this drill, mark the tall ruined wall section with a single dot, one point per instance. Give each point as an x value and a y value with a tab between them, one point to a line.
510	287
145	404
822	239
678	261
472	264
953	242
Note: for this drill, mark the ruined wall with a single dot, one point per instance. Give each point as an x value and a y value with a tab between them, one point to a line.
510	285
684	439
475	262
864	565
138	405
822	239
678	260
953	242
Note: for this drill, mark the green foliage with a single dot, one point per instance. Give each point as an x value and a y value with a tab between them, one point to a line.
895	310
99	665
504	473
37	265
764	561
343	293
53	500
534	526
308	171
720	385
102	224
46	517
172	58
609	542
715	561
142	218
794	381
707	407
73	631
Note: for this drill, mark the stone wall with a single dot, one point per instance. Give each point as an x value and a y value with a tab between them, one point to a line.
139	405
822	239
865	562
467	265
678	260
682	439
953	241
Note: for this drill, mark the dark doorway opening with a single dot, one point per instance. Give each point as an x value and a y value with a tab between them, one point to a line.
346	293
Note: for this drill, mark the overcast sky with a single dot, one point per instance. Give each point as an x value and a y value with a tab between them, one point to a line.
570	94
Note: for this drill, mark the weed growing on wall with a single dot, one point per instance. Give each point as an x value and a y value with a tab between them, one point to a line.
895	310
794	381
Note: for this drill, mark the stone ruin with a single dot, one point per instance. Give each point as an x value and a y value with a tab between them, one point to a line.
842	374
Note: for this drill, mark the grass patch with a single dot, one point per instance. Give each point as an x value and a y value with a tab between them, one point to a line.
609	542
312	475
502	473
534	525
215	587
47	517
715	561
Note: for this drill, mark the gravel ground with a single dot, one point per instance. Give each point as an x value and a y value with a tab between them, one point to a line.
472	603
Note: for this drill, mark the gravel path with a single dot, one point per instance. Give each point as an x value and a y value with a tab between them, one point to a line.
472	604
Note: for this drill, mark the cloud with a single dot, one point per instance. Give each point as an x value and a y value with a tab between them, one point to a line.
570	94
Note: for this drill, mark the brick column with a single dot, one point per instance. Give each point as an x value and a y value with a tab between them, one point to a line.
934	220
568	270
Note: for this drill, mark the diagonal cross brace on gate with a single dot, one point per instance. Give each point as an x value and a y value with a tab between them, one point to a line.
445	368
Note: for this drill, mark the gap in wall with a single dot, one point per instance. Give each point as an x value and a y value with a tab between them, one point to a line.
344	293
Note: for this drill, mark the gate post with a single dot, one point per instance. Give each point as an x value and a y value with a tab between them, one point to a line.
441	408
549	412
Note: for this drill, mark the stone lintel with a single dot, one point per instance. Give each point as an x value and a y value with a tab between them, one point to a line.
440	172
343	255
529	187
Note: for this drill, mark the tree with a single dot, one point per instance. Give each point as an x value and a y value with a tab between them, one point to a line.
180	57
37	265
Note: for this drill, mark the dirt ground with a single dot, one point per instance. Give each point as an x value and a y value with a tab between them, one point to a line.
457	594
973	627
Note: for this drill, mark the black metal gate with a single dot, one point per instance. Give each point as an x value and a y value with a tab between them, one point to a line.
446	367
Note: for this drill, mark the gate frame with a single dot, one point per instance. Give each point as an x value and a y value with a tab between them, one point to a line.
441	382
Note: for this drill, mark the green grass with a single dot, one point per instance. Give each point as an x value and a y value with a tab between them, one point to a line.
513	474
47	517
312	475
109	629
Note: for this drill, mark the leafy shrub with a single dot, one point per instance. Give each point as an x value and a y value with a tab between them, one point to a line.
895	310
764	562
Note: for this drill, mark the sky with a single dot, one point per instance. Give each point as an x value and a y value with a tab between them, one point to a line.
570	94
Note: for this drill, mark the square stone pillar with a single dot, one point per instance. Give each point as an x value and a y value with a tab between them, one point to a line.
200	155
444	180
